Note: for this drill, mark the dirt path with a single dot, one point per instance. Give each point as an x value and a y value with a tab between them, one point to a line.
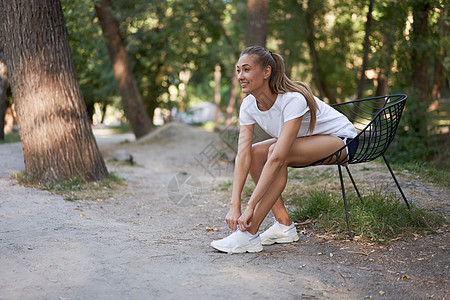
150	240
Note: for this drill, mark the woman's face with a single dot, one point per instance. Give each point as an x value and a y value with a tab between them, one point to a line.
250	75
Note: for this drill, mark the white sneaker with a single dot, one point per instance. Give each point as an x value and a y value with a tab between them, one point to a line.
279	233
238	242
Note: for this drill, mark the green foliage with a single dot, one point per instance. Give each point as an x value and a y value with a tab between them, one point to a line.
89	54
426	172
168	38
13	137
380	217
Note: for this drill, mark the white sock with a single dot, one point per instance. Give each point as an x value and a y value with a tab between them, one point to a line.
249	235
284	226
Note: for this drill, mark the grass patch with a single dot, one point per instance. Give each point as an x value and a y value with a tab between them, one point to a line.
208	126
427	173
12	137
122	128
225	186
381	217
76	188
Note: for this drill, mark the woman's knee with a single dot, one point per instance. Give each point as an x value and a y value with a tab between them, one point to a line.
270	150
259	150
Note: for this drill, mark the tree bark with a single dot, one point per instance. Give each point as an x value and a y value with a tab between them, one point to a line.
217	97
439	68
322	87
3	87
382	84
126	82
366	47
385	63
232	103
419	59
257	13
57	138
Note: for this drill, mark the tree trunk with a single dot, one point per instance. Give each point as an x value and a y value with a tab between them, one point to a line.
366	46
439	69
257	13
382	84
232	103
419	60
3	87
56	133
322	87
131	97
385	64
217	98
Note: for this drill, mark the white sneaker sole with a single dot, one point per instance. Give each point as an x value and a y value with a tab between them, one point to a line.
283	240
239	249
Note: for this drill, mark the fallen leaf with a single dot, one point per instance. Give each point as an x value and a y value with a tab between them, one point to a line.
420	259
82	215
211	228
381	293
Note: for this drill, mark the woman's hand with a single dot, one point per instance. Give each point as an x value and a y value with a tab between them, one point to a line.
245	220
232	217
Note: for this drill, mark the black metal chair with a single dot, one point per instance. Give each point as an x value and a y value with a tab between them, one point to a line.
376	120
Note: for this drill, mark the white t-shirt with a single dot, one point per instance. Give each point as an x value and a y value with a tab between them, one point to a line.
292	105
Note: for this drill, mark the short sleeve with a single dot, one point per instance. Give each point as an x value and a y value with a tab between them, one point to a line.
245	117
295	107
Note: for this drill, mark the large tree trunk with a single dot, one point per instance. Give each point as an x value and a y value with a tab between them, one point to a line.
128	89
419	60
366	47
57	138
3	86
257	13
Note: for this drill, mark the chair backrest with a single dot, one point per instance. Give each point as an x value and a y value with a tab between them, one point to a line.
376	121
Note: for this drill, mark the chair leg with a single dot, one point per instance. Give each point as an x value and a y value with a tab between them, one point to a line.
345	200
354	184
396	182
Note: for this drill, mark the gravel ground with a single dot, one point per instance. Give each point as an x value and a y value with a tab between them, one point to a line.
151	238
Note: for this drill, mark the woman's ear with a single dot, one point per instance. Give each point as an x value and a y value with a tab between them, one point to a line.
267	72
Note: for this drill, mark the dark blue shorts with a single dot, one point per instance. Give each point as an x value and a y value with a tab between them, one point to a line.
351	150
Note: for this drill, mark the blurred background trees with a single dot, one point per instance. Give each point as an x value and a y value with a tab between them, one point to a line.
343	49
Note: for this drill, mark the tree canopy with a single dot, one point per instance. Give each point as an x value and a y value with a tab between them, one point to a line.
174	46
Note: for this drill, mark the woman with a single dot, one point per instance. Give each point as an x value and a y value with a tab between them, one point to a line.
304	130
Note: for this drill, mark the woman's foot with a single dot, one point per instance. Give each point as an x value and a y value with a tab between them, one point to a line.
279	233
238	242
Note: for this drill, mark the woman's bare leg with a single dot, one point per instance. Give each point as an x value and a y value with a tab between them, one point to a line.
259	157
303	152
